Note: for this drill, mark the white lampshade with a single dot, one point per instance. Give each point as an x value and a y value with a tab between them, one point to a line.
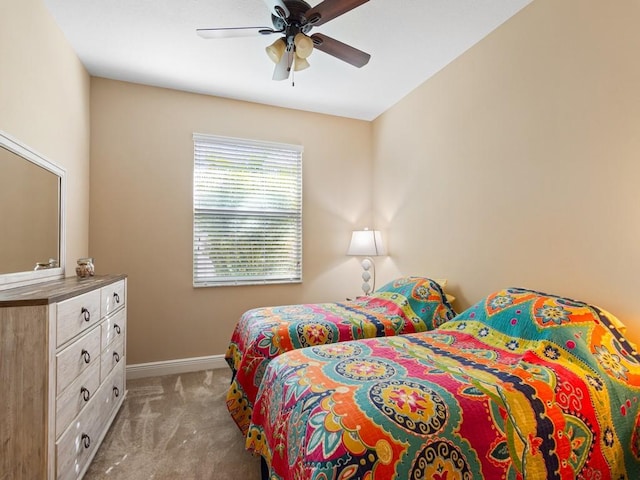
366	243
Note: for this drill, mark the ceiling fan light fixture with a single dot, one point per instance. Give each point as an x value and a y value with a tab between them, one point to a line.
300	63
303	44
276	50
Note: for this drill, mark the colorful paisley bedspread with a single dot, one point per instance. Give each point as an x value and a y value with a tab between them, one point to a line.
406	305
522	385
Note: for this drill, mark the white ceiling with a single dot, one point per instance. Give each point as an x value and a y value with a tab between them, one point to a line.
154	42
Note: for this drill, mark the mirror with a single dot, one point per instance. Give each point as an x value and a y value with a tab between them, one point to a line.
31	216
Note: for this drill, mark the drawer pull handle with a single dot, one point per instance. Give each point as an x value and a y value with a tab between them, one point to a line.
116	356
86	394
86	314
117	328
86	356
86	440
116	297
116	392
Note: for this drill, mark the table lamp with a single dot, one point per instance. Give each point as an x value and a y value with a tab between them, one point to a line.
366	243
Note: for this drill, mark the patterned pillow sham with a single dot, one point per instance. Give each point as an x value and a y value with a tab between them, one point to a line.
424	296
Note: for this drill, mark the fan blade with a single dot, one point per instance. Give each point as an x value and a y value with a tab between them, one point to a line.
340	50
234	32
278	8
283	68
330	9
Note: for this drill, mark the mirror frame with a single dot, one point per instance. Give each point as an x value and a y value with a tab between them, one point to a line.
16	279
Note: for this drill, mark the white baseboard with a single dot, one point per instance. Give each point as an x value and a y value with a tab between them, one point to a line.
170	367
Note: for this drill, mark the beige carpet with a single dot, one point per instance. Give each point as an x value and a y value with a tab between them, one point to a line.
175	427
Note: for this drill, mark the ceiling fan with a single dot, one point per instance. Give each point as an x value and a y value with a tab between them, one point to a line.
293	19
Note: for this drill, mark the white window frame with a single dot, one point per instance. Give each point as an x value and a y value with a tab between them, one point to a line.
227	210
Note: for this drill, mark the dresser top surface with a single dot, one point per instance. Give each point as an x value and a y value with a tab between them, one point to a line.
54	291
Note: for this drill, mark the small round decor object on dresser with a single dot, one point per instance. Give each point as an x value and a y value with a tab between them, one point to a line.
85	267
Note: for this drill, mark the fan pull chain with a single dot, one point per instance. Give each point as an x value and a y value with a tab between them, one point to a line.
291	68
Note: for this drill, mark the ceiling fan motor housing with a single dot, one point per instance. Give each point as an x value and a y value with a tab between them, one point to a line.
296	22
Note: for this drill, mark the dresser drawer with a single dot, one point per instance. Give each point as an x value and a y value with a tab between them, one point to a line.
76	314
76	358
113	327
112	356
76	396
115	390
75	447
112	297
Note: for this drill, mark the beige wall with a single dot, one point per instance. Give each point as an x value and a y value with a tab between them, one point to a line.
141	209
44	103
518	164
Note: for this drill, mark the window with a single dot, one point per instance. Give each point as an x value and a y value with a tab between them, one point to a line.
247	212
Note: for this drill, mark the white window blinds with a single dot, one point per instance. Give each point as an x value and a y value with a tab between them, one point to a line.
247	204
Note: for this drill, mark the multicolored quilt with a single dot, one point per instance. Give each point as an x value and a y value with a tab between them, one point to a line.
522	385
406	305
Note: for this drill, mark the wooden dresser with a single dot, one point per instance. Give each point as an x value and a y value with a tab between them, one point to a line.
62	374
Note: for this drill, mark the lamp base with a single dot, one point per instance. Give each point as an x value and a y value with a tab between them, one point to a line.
367	264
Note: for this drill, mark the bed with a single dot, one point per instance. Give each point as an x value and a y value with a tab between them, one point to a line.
405	305
523	385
